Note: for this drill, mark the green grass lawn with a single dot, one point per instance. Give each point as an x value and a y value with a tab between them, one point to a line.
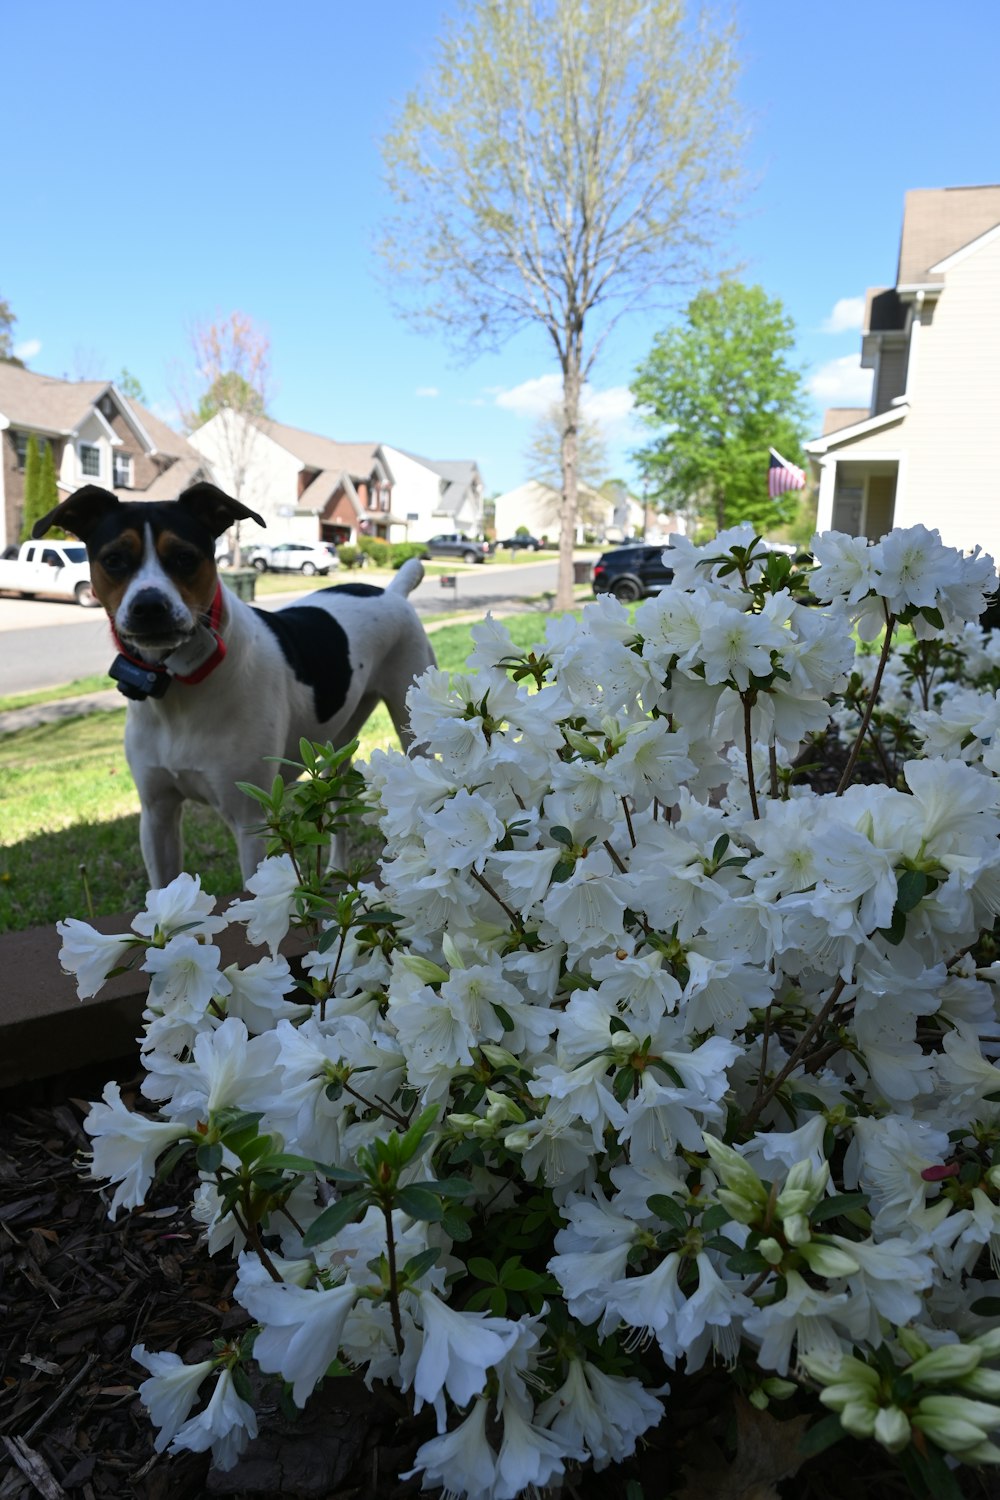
69	811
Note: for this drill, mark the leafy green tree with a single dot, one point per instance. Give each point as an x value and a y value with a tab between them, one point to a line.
566	162
7	321
720	393
131	387
48	488
33	510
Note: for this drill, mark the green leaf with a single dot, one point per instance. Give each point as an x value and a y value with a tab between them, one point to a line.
286	1161
418	1264
333	1219
837	1204
209	1157
561	835
911	887
483	1270
986	1307
412	1141
820	1436
669	1210
419	1204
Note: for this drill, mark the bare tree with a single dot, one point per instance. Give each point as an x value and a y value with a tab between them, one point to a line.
233	363
544	451
567	161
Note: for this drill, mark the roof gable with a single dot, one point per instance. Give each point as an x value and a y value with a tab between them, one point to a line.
939	221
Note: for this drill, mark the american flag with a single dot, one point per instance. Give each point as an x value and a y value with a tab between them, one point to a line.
783	476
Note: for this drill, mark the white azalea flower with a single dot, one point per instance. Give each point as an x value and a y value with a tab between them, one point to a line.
226	1426
302	1329
171	1390
460	1459
181	904
456	1350
127	1146
90	955
269	911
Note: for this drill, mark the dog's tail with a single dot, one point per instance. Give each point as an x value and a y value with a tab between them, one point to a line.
407	578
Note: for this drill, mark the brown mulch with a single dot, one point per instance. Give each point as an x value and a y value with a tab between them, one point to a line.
78	1291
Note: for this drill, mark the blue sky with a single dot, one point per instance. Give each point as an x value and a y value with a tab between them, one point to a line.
165	164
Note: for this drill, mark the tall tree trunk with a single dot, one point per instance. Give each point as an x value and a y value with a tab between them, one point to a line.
569	507
720	510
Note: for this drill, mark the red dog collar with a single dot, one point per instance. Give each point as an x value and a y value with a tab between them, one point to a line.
199	674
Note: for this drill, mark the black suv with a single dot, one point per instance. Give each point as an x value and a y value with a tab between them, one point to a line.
631	572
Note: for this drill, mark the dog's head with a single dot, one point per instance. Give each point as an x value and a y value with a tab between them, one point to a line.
152	563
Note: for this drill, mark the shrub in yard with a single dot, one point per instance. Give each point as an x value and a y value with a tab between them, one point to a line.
350	557
401	552
642	1058
377	550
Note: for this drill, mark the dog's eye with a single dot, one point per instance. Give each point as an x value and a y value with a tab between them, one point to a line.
183	560
116	563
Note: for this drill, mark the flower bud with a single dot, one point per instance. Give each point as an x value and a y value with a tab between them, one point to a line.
892	1429
796	1229
846	1393
738	1208
847	1368
423	968
981	1382
912	1343
982	1453
858	1419
778	1389
736	1173
987	1343
772	1252
498	1057
828	1260
947	1362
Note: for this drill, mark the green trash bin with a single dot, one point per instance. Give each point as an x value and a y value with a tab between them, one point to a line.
242	581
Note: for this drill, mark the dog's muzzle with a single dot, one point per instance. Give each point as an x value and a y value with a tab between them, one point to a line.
151	622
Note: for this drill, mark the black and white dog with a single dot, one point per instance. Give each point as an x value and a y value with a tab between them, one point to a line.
216	685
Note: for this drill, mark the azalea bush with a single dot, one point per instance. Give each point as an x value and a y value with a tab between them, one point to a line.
640	1057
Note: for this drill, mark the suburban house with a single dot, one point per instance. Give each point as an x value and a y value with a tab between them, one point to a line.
922	452
97	436
535	506
311	488
435	497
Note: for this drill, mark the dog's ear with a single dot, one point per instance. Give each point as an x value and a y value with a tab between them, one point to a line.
214	509
80	513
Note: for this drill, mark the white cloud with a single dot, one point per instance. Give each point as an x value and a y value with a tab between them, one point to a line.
847	316
532	398
842	382
611	408
28	348
427	390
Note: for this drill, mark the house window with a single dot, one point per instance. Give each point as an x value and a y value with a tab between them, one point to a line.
90	460
122	471
21	440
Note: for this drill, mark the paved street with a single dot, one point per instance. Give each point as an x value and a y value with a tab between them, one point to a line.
45	644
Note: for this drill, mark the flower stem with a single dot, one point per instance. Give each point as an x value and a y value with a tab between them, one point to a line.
748	745
805	1040
848	776
390	1246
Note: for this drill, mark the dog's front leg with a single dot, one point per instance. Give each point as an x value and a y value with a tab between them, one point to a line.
250	848
160	836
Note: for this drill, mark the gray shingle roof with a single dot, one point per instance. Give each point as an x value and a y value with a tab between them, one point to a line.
938	221
45	404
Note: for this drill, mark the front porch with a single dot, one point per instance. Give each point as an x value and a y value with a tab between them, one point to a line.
857	496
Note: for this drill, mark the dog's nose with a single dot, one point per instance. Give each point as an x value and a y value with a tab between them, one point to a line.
148	607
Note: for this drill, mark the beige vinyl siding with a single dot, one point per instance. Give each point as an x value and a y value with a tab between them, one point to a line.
952	478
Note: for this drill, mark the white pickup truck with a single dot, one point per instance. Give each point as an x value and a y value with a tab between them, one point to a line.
59	569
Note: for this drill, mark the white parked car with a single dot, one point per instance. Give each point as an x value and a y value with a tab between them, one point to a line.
307	558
